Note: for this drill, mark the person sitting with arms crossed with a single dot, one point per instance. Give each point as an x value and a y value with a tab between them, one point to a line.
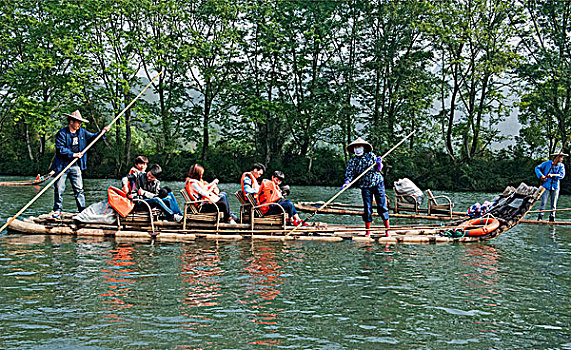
270	192
146	186
199	190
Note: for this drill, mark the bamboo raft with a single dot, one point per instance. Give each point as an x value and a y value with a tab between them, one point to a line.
512	205
337	208
357	210
27	183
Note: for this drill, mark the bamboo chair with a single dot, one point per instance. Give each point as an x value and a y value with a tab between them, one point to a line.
250	212
405	202
137	218
435	207
193	211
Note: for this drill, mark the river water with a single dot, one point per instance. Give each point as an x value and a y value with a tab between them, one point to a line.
63	292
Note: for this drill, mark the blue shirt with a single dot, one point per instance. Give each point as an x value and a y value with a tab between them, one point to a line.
64	147
552	183
358	164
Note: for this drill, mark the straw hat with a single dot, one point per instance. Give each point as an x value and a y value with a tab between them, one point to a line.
77	116
560	153
359	142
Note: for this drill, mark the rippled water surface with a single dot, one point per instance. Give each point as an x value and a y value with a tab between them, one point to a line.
63	292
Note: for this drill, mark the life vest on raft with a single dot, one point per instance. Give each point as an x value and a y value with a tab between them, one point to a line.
119	201
195	194
255	184
269	193
134	170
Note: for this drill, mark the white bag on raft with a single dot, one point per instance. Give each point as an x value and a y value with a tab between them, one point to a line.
407	187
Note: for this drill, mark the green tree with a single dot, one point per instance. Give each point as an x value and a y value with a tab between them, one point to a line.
476	54
41	69
111	41
544	28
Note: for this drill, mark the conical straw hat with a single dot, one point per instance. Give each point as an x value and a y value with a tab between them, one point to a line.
359	142
77	116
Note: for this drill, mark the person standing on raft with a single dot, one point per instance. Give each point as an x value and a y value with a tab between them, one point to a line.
550	173
70	142
371	183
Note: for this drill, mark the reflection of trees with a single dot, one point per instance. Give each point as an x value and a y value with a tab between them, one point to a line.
265	287
200	270
117	276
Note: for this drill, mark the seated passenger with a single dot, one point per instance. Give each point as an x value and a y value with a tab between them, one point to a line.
198	189
146	186
140	165
270	193
249	180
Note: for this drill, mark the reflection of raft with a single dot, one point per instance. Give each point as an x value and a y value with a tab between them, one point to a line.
27	183
510	208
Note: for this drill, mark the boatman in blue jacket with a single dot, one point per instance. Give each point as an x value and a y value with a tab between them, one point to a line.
70	143
550	172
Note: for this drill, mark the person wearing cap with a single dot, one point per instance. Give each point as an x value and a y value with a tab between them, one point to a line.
550	173
70	142
270	193
371	184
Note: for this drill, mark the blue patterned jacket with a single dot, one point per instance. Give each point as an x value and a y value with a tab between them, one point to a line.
359	164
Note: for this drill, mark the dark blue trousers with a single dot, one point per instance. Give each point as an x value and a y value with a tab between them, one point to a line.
379	193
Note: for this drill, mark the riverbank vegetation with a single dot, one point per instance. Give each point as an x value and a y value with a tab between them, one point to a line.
290	84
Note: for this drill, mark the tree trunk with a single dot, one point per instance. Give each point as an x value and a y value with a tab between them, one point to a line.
205	123
42	145
128	137
28	143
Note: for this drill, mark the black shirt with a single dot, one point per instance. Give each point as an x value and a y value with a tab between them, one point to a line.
74	142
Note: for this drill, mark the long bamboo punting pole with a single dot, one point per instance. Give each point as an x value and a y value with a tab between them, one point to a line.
76	159
546	211
352	182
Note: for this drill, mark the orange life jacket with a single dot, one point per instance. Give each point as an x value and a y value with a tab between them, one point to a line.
195	194
134	170
118	200
269	193
255	184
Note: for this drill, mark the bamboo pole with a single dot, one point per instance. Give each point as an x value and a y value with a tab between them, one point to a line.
9	221
352	182
547	211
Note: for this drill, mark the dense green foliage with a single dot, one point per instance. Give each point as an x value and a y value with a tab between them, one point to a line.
290	84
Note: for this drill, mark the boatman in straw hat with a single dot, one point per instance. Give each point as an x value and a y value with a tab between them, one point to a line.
371	183
550	172
70	143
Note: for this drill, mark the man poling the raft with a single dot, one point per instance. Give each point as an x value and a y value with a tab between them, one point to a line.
371	184
70	143
550	173
74	161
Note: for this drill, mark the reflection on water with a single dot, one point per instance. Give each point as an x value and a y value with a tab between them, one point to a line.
482	262
63	292
484	274
263	289
118	278
200	270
